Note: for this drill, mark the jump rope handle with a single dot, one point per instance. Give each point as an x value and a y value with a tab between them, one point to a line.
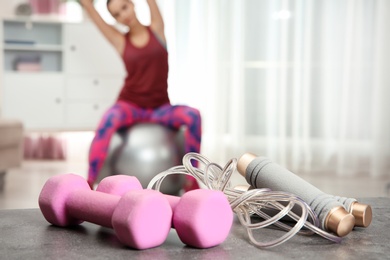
260	172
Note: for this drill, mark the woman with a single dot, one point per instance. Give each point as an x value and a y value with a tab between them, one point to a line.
144	95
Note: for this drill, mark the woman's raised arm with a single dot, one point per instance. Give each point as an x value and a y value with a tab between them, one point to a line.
157	22
110	33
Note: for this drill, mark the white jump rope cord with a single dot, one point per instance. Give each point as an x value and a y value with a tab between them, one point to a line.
252	202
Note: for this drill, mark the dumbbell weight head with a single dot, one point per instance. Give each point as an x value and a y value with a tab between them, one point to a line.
146	223
53	197
203	218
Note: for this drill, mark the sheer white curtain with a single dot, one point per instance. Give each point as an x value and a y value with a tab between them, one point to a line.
303	82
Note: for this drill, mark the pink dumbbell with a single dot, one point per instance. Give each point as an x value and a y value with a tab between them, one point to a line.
202	218
67	200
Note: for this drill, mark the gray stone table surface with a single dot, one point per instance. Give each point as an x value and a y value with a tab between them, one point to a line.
25	234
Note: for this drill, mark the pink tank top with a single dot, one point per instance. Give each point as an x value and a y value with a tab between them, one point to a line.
146	83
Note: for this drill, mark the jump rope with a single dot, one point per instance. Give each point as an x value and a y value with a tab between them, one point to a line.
247	204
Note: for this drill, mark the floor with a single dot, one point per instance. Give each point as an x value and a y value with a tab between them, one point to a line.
23	185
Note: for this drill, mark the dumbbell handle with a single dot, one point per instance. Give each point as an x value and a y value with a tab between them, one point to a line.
127	183
173	201
95	207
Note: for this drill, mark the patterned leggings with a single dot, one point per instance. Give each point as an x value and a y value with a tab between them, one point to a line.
123	114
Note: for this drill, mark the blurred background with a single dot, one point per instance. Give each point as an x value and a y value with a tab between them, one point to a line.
302	82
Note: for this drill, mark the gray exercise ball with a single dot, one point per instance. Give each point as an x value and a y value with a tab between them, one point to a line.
144	150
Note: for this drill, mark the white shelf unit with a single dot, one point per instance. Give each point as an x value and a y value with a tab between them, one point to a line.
80	74
26	40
